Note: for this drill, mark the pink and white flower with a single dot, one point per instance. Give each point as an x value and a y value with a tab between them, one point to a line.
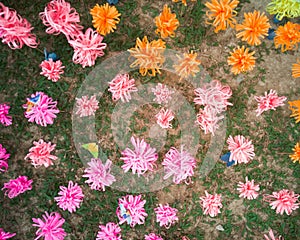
153	236
17	186
52	70
3	159
208	120
5	235
164	117
86	107
248	189
241	149
110	231
162	93
211	204
166	215
4	118
271	236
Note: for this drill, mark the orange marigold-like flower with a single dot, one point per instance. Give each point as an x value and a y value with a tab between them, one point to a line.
166	23
188	65
105	18
148	55
222	13
287	36
254	26
241	60
296	70
295	108
183	1
296	156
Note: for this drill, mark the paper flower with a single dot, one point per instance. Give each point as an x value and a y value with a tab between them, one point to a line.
105	18
211	204
296	156
162	93
40	154
271	236
110	231
295	108
166	215
241	149
70	197
86	107
3	159
50	227
296	70
52	70
248	189
164	117
17	186
166	23
286	8
287	36
149	56
183	1
241	60
188	65
269	101
152	236
5	235
4	118
208	120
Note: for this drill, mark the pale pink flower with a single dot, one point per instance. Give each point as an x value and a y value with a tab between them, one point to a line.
87	47
4	118
110	231
269	101
164	117
166	215
271	236
241	149
5	235
51	69
50	227
121	87
3	159
152	236
208	120
17	186
86	107
211	204
248	190
70	197
283	201
141	159
40	154
99	174
179	164
135	206
162	93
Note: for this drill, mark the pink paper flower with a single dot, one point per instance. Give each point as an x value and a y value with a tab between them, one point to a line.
51	69
211	204
4	118
3	159
17	186
166	215
241	149
141	159
162	93
5	235
152	236
248	190
70	197
40	154
208	120
40	109
135	206
51	227
98	174
121	87
283	201
269	101
179	164
271	236
86	107
15	31
110	231
164	117
87	47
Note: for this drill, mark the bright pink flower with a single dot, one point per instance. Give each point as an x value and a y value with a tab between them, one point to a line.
5	235
87	47
166	215
51	227
162	93
269	101
3	159
208	120
271	236
110	231
99	174
135	207
164	117
60	17
248	190
152	236
70	197
86	107
51	69
141	159
41	112
211	204
4	118
283	201
121	87
241	149
17	186
40	154
180	164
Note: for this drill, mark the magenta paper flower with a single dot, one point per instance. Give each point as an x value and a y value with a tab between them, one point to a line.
269	101
121	87
5	235
110	231
179	164
70	197
162	93
51	69
271	236
15	31
98	174
141	159
3	159
135	206
4	118
86	107
17	186
211	204
241	149
166	215
50	227
208	120
60	17
283	201
152	236
40	154
164	117
87	47
40	109
248	189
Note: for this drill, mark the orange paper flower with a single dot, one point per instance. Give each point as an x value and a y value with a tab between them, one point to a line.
296	70
295	108
166	23
183	1
222	13
188	65
287	36
105	18
255	26
241	60
296	156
